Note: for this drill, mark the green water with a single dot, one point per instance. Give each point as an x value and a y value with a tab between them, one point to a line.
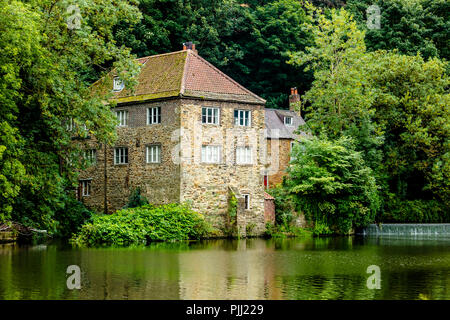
327	268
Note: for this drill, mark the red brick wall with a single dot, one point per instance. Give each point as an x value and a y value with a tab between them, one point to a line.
269	210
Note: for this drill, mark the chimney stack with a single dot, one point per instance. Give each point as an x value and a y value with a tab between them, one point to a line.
189	46
294	101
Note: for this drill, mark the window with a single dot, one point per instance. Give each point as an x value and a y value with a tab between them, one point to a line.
210	115
288	121
85	187
211	154
154	115
246	201
266	181
243	155
122	116
154	154
242	118
90	155
121	155
118	84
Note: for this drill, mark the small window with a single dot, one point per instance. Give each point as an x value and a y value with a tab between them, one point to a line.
246	201
288	121
211	154
266	181
210	115
90	156
154	115
122	116
244	155
154	154
85	187
242	118
121	155
118	84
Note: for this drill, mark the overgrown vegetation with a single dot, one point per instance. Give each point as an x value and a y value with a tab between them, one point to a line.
392	104
142	225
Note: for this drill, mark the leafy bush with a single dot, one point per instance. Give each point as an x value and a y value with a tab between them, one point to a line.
136	199
284	205
418	211
142	225
71	217
332	185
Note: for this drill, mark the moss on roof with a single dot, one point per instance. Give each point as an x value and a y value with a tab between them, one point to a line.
181	73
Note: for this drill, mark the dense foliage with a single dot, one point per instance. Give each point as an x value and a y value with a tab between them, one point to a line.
392	104
394	107
47	63
142	225
333	185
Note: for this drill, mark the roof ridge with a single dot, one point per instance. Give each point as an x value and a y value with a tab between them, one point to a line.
161	54
224	75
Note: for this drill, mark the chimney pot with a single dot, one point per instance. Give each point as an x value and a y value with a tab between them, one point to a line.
294	100
189	46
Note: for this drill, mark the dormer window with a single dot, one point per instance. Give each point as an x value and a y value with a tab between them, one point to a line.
118	84
288	121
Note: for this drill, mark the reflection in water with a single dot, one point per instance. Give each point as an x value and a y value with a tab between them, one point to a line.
319	268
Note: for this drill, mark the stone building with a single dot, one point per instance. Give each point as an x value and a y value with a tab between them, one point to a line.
188	133
282	126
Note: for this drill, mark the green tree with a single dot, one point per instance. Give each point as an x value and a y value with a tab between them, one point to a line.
46	69
340	101
332	184
409	26
413	108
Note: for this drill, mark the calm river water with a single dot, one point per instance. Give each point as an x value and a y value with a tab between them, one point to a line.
319	268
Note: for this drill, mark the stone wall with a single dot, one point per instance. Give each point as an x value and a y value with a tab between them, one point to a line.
283	146
181	176
159	182
206	185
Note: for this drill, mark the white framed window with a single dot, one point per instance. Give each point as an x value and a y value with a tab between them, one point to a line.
244	155
85	187
153	115
242	118
288	121
118	84
121	155
211	154
246	201
122	116
210	115
90	155
153	154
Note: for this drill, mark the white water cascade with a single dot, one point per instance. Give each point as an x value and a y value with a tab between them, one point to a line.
408	229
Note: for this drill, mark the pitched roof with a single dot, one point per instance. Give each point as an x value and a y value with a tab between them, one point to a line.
184	74
277	129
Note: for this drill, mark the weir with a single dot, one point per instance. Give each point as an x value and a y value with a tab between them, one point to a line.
407	229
